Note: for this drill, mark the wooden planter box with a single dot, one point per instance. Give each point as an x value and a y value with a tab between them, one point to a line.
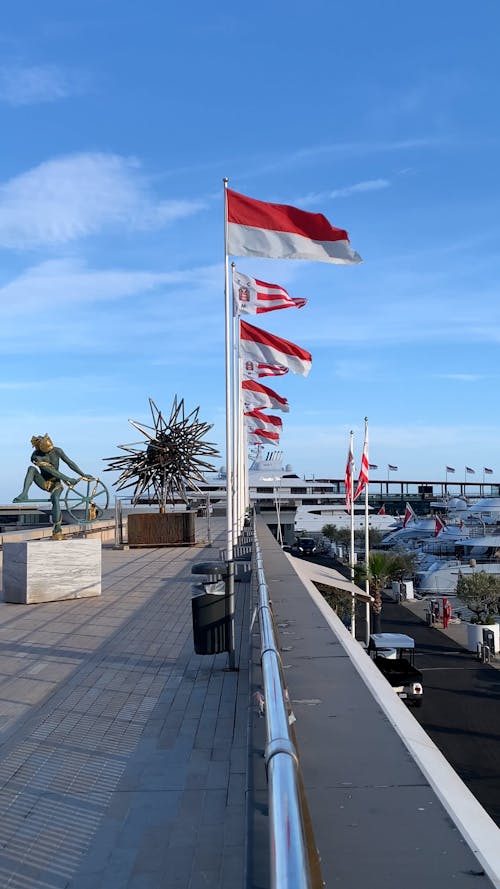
161	529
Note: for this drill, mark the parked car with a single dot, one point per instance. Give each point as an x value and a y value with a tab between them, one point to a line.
306	546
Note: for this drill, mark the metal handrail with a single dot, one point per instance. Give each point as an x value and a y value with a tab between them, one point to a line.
289	860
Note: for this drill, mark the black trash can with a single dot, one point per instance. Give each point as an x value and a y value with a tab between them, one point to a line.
212	617
489	639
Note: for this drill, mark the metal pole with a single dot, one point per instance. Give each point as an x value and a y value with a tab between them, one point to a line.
229	438
351	484
367	544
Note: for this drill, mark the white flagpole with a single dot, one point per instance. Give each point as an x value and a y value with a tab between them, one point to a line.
367	543
236	425
351	484
229	435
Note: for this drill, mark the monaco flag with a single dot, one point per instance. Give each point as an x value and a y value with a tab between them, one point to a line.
257	394
255	419
348	478
260	435
363	472
277	231
409	514
270	349
254	370
253	297
439	526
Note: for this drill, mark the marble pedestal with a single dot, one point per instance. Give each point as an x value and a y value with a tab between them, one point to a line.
37	571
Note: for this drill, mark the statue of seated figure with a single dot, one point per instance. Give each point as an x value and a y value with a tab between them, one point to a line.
46	475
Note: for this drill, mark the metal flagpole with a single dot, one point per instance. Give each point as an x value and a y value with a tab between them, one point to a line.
351	485
229	438
236	427
367	543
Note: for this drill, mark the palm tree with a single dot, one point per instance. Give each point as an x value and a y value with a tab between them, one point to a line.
382	568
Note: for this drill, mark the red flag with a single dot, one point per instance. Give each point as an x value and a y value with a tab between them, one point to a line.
264	435
277	231
381	510
349	469
363	472
254	370
257	394
439	526
271	349
255	419
409	514
253	297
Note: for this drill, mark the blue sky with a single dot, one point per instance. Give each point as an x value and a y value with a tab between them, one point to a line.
119	122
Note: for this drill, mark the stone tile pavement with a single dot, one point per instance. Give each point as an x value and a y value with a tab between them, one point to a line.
123	754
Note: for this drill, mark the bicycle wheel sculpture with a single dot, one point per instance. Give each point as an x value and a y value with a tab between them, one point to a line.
87	500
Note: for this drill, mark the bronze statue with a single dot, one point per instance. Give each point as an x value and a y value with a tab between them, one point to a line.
46	475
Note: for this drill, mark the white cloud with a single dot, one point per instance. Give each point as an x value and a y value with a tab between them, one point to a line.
345	192
65	282
78	195
32	84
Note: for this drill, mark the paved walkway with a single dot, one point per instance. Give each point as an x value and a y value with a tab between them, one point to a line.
122	753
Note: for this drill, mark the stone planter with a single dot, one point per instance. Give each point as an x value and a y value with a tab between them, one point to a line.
475	635
161	529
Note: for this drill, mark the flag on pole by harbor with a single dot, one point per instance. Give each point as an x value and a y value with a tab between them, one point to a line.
348	479
409	514
363	470
381	510
255	419
271	349
439	526
470	471
487	471
450	469
372	466
255	393
255	370
260	435
391	467
277	231
254	297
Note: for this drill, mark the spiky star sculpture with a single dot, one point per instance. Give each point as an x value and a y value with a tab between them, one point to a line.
171	464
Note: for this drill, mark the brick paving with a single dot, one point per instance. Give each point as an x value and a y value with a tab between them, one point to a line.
122	753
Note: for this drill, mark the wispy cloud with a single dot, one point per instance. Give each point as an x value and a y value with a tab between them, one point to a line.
345	192
462	378
78	195
67	282
34	84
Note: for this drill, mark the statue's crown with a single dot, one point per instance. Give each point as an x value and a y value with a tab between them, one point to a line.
42	442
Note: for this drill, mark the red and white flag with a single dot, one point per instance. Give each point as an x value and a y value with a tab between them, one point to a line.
257	394
254	370
260	435
409	514
470	471
348	479
253	297
439	526
277	231
364	469
270	349
487	471
381	510
255	419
